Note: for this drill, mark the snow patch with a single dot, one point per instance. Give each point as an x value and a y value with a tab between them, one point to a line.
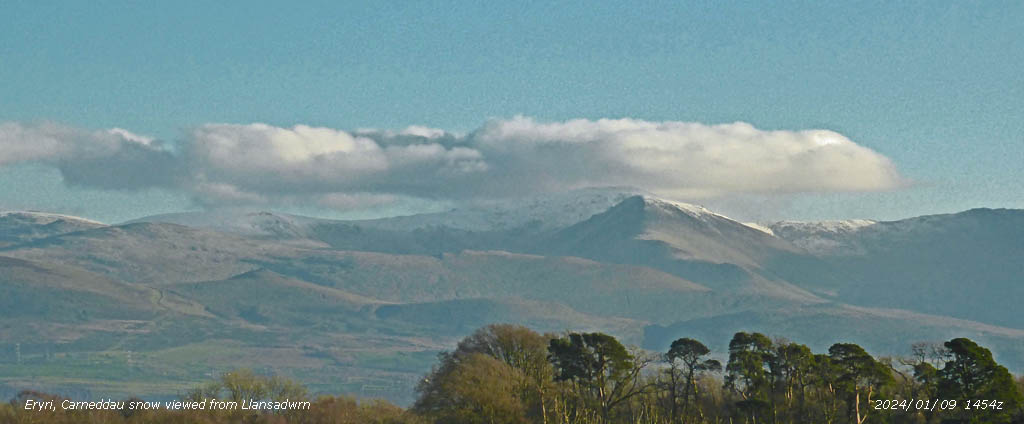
759	227
47	217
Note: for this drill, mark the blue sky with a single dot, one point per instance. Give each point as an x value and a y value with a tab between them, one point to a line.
935	87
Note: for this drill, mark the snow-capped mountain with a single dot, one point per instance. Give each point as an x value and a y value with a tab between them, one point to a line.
538	213
682	239
966	265
687	231
646	269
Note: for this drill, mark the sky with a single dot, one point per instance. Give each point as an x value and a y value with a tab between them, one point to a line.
760	110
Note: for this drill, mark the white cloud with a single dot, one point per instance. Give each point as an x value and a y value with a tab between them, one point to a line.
110	159
132	137
22	143
421	131
301	151
684	159
264	164
266	160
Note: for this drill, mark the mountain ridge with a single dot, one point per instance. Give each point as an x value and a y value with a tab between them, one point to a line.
337	301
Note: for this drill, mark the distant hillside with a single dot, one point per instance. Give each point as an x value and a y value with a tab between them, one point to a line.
967	265
21	227
151	306
47	295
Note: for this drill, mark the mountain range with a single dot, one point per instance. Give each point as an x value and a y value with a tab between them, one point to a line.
150	307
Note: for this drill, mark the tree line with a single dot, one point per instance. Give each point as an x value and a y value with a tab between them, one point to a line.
511	374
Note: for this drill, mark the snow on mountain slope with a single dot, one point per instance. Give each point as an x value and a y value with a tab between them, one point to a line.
821	237
691	232
684	240
24	226
47	217
541	212
860	236
242	222
759	227
965	265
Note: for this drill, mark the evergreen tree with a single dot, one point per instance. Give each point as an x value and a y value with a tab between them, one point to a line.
861	376
686	361
601	366
972	375
791	367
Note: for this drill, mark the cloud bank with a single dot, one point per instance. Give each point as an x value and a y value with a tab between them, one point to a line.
240	164
106	159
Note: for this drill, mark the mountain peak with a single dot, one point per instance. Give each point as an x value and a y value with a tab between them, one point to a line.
689	240
672	205
670	208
